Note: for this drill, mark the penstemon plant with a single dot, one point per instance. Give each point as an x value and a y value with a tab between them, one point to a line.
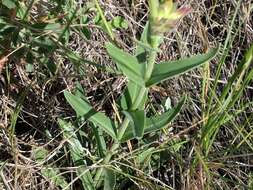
142	73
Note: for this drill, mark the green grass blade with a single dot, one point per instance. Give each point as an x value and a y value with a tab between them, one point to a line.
227	46
101	144
15	114
110	180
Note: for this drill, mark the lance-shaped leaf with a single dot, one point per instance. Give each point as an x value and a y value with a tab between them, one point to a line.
130	94
156	123
84	109
144	157
143	46
127	63
50	172
77	153
166	70
109	180
138	122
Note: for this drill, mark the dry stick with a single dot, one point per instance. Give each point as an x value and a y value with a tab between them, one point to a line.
5	182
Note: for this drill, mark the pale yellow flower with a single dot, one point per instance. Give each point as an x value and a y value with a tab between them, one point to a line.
166	17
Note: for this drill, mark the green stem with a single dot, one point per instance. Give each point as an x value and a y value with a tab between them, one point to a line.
153	4
101	13
154	43
121	132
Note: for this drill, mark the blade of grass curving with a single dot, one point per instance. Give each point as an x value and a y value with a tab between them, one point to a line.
235	93
166	70
210	130
227	46
15	114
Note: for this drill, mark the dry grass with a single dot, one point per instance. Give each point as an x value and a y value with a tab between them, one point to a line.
206	26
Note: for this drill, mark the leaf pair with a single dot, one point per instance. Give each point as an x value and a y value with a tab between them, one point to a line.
131	68
143	126
139	123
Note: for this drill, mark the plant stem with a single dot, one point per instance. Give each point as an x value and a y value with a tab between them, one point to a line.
101	13
154	43
153	4
121	132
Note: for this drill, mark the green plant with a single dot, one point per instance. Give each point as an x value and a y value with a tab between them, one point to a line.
142	73
221	108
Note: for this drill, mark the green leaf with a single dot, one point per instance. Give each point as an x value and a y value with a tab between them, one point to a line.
77	153
54	175
51	66
127	63
167	104
51	173
129	95
56	27
100	141
143	46
79	91
157	122
144	157
22	9
119	22
29	68
86	32
138	122
84	109
166	70
10	4
46	44
110	180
